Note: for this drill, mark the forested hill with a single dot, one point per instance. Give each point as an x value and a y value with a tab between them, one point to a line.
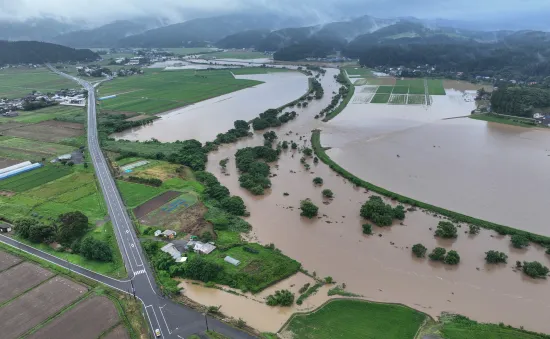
18	52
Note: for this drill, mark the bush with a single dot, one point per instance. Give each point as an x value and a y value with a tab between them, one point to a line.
327	193
535	269
95	249
318	181
73	225
495	257
446	229
328	280
281	298
308	152
146	181
234	205
452	258
474	229
379	213
294	145
304	288
519	241
309	209
438	254
284	145
41	233
419	250
367	229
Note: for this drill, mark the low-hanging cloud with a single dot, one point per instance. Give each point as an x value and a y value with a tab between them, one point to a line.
102	11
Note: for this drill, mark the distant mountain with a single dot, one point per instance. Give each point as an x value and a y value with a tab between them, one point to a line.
17	52
245	39
104	36
33	29
205	29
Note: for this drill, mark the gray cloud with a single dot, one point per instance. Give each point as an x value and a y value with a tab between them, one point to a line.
102	11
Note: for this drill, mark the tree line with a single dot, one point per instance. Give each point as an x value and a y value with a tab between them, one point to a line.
34	52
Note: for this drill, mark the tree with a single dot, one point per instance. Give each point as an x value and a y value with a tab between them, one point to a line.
294	145
206	236
270	136
309	209
329	280
452	258
22	226
474	229
223	163
234	205
308	152
327	193
495	257
96	249
419	250
241	124
535	269
399	212
281	298
367	229
201	269
41	233
318	181
284	145
446	229
73	225
379	213
519	241
438	254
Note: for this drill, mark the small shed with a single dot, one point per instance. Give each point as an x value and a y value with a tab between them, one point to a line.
65	157
232	261
158	233
169	234
200	247
171	249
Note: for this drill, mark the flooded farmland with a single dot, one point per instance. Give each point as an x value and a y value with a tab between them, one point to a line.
446	155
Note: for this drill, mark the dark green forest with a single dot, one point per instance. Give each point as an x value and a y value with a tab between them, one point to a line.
17	52
520	101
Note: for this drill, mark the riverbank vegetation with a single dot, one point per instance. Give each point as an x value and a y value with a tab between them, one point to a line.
252	164
381	214
309	209
501	119
280	298
354	319
419	250
495	257
346	93
454	216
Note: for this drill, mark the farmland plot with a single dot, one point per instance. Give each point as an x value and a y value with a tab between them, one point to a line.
20	278
398	99
416	100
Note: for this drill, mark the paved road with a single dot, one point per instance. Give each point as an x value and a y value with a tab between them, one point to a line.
172	319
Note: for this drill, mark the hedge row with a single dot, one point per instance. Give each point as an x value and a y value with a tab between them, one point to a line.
454	216
344	102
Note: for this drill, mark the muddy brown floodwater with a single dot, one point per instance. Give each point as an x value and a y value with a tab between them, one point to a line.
381	267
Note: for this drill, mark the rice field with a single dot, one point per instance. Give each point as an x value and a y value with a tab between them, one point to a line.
362	98
398	99
369	89
46	148
435	87
28	180
384	90
400	90
380	98
360	82
416	100
18	82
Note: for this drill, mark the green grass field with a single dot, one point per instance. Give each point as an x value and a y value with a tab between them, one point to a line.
158	91
18	82
384	90
46	148
236	55
48	113
463	328
400	90
416	86
74	192
353	319
363	72
136	194
380	99
435	87
34	178
516	121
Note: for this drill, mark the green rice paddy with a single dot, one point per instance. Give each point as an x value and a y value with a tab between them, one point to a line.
18	82
136	194
380	98
34	178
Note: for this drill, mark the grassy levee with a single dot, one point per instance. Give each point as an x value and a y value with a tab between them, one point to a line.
507	120
455	216
344	102
460	327
356	319
129	309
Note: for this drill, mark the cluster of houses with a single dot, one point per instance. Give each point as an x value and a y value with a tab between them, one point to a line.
10	107
177	248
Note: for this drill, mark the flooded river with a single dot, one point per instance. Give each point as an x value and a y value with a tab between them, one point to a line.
468	166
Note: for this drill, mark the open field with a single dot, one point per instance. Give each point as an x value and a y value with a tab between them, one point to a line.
20	278
358	71
8	162
463	328
37	305
118	332
354	319
179	214
416	99
151	205
236	55
89	318
157	91
28	180
18	82
362	98
43	114
416	86
136	194
46	148
400	90
380	98
435	87
49	131
7	260
384	90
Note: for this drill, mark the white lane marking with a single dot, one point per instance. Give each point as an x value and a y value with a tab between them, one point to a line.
150	322
157	319
139	272
165	323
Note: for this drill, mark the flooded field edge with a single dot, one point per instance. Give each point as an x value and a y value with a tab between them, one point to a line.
501	229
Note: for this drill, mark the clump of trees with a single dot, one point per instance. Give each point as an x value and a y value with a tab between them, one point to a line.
308	151
419	250
495	257
446	230
270	118
535	269
327	193
252	163
241	129
519	241
281	298
191	154
146	181
438	254
219	194
309	209
318	181
474	229
381	214
269	138
69	230
452	258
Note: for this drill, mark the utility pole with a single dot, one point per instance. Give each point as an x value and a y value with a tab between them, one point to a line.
206	320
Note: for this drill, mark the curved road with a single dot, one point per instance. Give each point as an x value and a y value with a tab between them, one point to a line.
172	319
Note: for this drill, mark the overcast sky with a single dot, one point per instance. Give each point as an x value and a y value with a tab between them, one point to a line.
102	11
